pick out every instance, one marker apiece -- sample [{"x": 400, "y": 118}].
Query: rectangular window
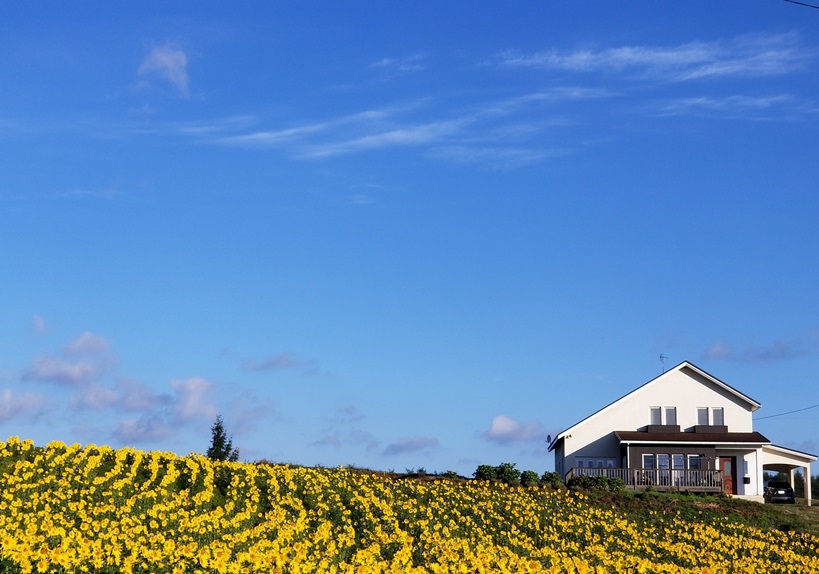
[
  {"x": 663, "y": 463},
  {"x": 671, "y": 415},
  {"x": 718, "y": 416},
  {"x": 702, "y": 416},
  {"x": 656, "y": 416},
  {"x": 694, "y": 462},
  {"x": 745, "y": 467},
  {"x": 678, "y": 461},
  {"x": 648, "y": 461}
]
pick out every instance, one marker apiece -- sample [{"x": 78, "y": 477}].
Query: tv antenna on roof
[{"x": 662, "y": 361}]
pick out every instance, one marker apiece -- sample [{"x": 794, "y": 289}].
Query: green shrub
[
  {"x": 508, "y": 473},
  {"x": 529, "y": 478},
  {"x": 552, "y": 479},
  {"x": 505, "y": 472},
  {"x": 486, "y": 472},
  {"x": 599, "y": 482}
]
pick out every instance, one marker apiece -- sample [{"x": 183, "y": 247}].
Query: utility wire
[
  {"x": 789, "y": 412},
  {"x": 802, "y": 4}
]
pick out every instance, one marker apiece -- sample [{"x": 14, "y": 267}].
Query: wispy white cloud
[
  {"x": 411, "y": 444},
  {"x": 191, "y": 399},
  {"x": 136, "y": 396},
  {"x": 409, "y": 135},
  {"x": 142, "y": 430},
  {"x": 40, "y": 325},
  {"x": 354, "y": 438},
  {"x": 728, "y": 105},
  {"x": 453, "y": 129},
  {"x": 747, "y": 56},
  {"x": 51, "y": 369},
  {"x": 20, "y": 405},
  {"x": 299, "y": 133},
  {"x": 774, "y": 351},
  {"x": 87, "y": 343},
  {"x": 83, "y": 360},
  {"x": 411, "y": 63},
  {"x": 347, "y": 414},
  {"x": 275, "y": 363},
  {"x": 169, "y": 63},
  {"x": 504, "y": 429},
  {"x": 95, "y": 397}
]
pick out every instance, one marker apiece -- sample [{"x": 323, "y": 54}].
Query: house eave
[{"x": 727, "y": 440}]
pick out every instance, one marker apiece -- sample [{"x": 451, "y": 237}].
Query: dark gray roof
[{"x": 692, "y": 437}]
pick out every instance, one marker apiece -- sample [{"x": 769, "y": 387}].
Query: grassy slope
[{"x": 643, "y": 506}]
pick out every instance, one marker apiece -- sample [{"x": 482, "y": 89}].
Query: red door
[{"x": 727, "y": 464}]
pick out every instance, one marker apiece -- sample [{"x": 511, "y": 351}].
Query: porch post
[{"x": 806, "y": 474}]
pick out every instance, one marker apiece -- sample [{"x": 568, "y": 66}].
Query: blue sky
[{"x": 401, "y": 235}]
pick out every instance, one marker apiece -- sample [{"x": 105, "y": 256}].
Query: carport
[{"x": 781, "y": 459}]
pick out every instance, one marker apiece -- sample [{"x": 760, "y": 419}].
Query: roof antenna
[{"x": 662, "y": 361}]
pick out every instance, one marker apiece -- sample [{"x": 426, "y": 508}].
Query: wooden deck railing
[{"x": 658, "y": 478}]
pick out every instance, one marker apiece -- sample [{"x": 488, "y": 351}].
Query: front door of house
[{"x": 727, "y": 464}]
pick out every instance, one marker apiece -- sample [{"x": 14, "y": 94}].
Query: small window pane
[
  {"x": 694, "y": 462},
  {"x": 648, "y": 461},
  {"x": 702, "y": 416},
  {"x": 678, "y": 460},
  {"x": 656, "y": 416},
  {"x": 719, "y": 419},
  {"x": 663, "y": 461},
  {"x": 671, "y": 415}
]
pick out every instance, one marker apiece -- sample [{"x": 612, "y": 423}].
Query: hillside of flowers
[{"x": 72, "y": 509}]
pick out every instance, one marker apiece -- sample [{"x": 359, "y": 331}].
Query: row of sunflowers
[{"x": 99, "y": 510}]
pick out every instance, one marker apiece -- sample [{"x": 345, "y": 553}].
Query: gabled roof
[{"x": 753, "y": 405}]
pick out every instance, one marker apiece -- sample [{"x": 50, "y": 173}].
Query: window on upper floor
[
  {"x": 714, "y": 416},
  {"x": 663, "y": 416}
]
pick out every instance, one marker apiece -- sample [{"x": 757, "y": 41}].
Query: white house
[{"x": 683, "y": 430}]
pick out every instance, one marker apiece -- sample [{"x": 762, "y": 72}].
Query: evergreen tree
[{"x": 221, "y": 447}]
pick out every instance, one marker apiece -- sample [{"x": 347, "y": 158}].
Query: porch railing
[{"x": 658, "y": 478}]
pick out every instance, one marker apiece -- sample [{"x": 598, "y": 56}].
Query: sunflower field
[{"x": 72, "y": 509}]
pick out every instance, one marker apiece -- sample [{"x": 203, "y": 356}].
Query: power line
[
  {"x": 789, "y": 412},
  {"x": 802, "y": 4}
]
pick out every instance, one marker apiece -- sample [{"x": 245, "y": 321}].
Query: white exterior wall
[
  {"x": 682, "y": 388},
  {"x": 754, "y": 488}
]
